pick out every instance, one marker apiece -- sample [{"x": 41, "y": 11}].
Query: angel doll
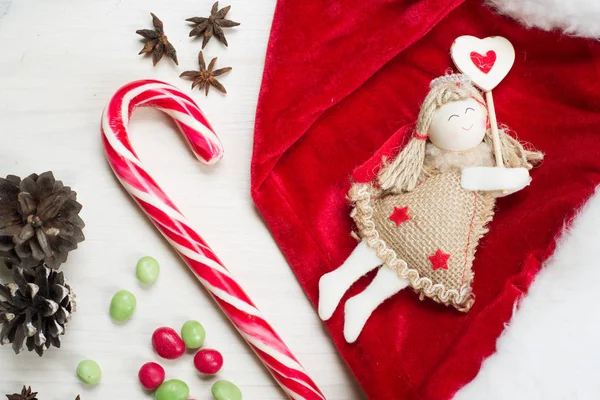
[{"x": 421, "y": 218}]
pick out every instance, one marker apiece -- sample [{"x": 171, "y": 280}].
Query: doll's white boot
[
  {"x": 334, "y": 284},
  {"x": 359, "y": 308}
]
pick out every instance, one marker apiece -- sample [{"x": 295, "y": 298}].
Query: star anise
[
  {"x": 206, "y": 77},
  {"x": 212, "y": 25},
  {"x": 26, "y": 394},
  {"x": 157, "y": 42}
]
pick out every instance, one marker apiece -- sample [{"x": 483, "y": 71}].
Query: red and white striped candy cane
[{"x": 224, "y": 289}]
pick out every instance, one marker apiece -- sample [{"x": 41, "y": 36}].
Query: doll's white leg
[
  {"x": 359, "y": 308},
  {"x": 334, "y": 284}
]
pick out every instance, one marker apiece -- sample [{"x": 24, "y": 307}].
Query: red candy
[
  {"x": 208, "y": 361},
  {"x": 167, "y": 343},
  {"x": 151, "y": 375}
]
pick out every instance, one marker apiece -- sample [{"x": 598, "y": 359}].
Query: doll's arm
[{"x": 494, "y": 179}]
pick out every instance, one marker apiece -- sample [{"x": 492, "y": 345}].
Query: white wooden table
[{"x": 60, "y": 62}]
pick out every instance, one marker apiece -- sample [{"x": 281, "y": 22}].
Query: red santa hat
[{"x": 344, "y": 80}]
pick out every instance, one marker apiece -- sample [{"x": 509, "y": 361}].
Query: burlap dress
[{"x": 429, "y": 235}]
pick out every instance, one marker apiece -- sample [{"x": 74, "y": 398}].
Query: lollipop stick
[{"x": 494, "y": 127}]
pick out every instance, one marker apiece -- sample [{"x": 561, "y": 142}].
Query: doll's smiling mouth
[{"x": 467, "y": 129}]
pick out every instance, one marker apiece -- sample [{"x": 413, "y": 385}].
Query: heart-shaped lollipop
[{"x": 487, "y": 61}]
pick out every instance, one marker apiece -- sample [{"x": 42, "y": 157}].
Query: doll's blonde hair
[{"x": 403, "y": 172}]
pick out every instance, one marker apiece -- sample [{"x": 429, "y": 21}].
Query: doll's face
[{"x": 458, "y": 125}]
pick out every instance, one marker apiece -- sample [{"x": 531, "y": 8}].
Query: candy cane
[{"x": 213, "y": 275}]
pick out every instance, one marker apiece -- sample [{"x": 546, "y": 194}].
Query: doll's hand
[{"x": 500, "y": 181}]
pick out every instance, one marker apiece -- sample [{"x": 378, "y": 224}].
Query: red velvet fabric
[{"x": 340, "y": 78}]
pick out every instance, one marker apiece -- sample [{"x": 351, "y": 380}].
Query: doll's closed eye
[
  {"x": 453, "y": 115},
  {"x": 469, "y": 108}
]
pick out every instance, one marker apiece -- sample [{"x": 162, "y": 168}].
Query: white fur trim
[
  {"x": 549, "y": 351},
  {"x": 493, "y": 178},
  {"x": 573, "y": 17}
]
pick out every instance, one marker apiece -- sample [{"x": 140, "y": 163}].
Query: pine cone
[
  {"x": 26, "y": 394},
  {"x": 36, "y": 309},
  {"x": 10, "y": 258},
  {"x": 39, "y": 221}
]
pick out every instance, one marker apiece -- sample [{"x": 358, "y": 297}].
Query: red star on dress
[
  {"x": 400, "y": 215},
  {"x": 439, "y": 260}
]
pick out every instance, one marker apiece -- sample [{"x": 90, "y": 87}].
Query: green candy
[
  {"x": 172, "y": 390},
  {"x": 122, "y": 305},
  {"x": 147, "y": 270},
  {"x": 89, "y": 372},
  {"x": 193, "y": 334},
  {"x": 225, "y": 390}
]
